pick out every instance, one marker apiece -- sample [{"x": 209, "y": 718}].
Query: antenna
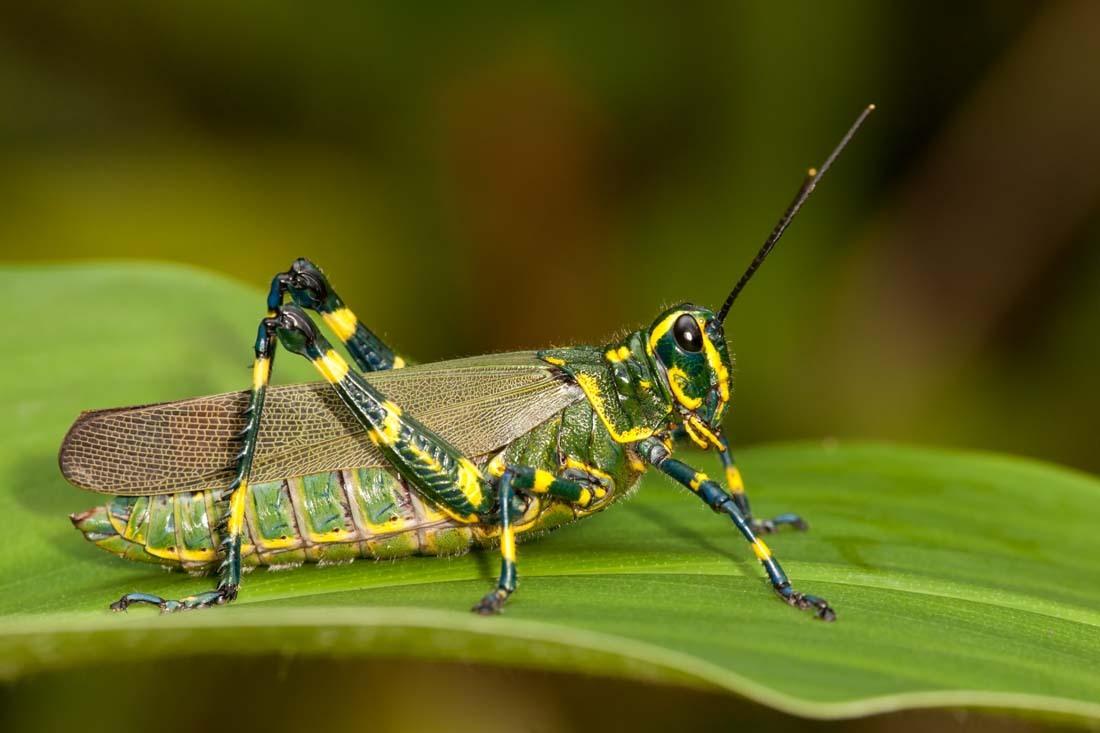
[{"x": 808, "y": 186}]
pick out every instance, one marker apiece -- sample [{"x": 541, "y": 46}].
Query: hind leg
[
  {"x": 432, "y": 466},
  {"x": 307, "y": 286},
  {"x": 229, "y": 572},
  {"x": 435, "y": 468},
  {"x": 310, "y": 289}
]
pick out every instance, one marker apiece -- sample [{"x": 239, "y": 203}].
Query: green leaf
[{"x": 958, "y": 578}]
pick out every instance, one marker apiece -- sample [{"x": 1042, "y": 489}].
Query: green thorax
[{"x": 621, "y": 383}]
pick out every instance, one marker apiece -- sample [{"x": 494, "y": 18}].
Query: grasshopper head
[{"x": 688, "y": 347}]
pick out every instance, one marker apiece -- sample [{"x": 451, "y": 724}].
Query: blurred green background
[
  {"x": 507, "y": 176},
  {"x": 510, "y": 175}
]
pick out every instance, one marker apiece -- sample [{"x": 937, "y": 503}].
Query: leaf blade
[{"x": 959, "y": 578}]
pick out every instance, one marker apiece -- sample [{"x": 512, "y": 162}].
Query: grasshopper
[{"x": 389, "y": 460}]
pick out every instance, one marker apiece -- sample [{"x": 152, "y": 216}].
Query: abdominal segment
[{"x": 334, "y": 516}]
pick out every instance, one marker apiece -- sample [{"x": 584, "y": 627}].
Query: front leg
[
  {"x": 736, "y": 486},
  {"x": 658, "y": 455}
]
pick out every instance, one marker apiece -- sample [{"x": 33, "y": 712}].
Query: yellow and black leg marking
[
  {"x": 310, "y": 289},
  {"x": 511, "y": 481},
  {"x": 433, "y": 467},
  {"x": 657, "y": 454},
  {"x": 506, "y": 585},
  {"x": 229, "y": 573},
  {"x": 736, "y": 487}
]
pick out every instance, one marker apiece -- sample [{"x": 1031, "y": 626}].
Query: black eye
[{"x": 687, "y": 333}]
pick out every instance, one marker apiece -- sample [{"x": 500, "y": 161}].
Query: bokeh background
[
  {"x": 508, "y": 175},
  {"x": 499, "y": 177}
]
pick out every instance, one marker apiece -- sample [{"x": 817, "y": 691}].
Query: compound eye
[{"x": 687, "y": 334}]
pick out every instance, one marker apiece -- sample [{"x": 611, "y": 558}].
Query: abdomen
[{"x": 335, "y": 516}]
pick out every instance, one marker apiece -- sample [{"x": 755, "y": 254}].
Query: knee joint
[
  {"x": 307, "y": 286},
  {"x": 296, "y": 331}
]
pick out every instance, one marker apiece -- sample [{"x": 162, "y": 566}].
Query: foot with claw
[
  {"x": 822, "y": 610},
  {"x": 770, "y": 526},
  {"x": 201, "y": 600},
  {"x": 491, "y": 603}
]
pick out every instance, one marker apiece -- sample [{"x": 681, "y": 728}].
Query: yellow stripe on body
[
  {"x": 236, "y": 509},
  {"x": 208, "y": 555},
  {"x": 508, "y": 545},
  {"x": 601, "y": 492},
  {"x": 592, "y": 392},
  {"x": 676, "y": 376},
  {"x": 733, "y": 480},
  {"x": 469, "y": 482},
  {"x": 468, "y": 475},
  {"x": 543, "y": 479},
  {"x": 261, "y": 372},
  {"x": 332, "y": 366},
  {"x": 390, "y": 432},
  {"x": 278, "y": 543},
  {"x": 660, "y": 330},
  {"x": 554, "y": 360},
  {"x": 571, "y": 462},
  {"x": 496, "y": 466},
  {"x": 398, "y": 362},
  {"x": 342, "y": 322},
  {"x": 434, "y": 512},
  {"x": 762, "y": 551},
  {"x": 426, "y": 458},
  {"x": 714, "y": 359},
  {"x": 617, "y": 355}
]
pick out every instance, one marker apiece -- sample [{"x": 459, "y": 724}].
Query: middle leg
[
  {"x": 511, "y": 482},
  {"x": 657, "y": 454},
  {"x": 310, "y": 289}
]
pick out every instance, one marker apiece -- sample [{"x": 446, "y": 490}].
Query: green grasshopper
[{"x": 388, "y": 461}]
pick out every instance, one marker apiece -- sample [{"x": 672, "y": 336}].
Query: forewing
[{"x": 478, "y": 404}]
